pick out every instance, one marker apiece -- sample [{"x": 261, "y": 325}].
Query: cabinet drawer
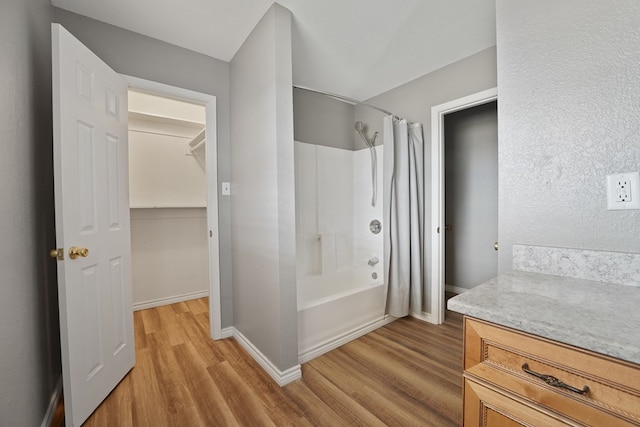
[
  {"x": 486, "y": 406},
  {"x": 497, "y": 355}
]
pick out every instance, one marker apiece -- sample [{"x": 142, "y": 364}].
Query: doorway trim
[
  {"x": 437, "y": 193},
  {"x": 209, "y": 101}
]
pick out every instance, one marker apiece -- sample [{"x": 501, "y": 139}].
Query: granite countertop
[{"x": 597, "y": 316}]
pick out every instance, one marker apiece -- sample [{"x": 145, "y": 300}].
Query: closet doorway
[
  {"x": 436, "y": 290},
  {"x": 471, "y": 196},
  {"x": 173, "y": 197}
]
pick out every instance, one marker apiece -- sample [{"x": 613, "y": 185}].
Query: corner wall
[
  {"x": 568, "y": 78},
  {"x": 29, "y": 328},
  {"x": 321, "y": 120},
  {"x": 263, "y": 191},
  {"x": 147, "y": 58}
]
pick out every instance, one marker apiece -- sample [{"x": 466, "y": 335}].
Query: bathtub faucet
[{"x": 373, "y": 261}]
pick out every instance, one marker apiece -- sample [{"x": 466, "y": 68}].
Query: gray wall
[
  {"x": 414, "y": 100},
  {"x": 30, "y": 350},
  {"x": 144, "y": 57},
  {"x": 471, "y": 195},
  {"x": 320, "y": 120},
  {"x": 262, "y": 200},
  {"x": 569, "y": 115}
]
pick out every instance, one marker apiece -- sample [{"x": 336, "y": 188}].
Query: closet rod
[
  {"x": 159, "y": 133},
  {"x": 347, "y": 99}
]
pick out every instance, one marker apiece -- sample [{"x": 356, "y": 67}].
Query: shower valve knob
[{"x": 375, "y": 226}]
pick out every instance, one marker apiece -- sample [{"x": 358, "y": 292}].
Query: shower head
[{"x": 362, "y": 130}]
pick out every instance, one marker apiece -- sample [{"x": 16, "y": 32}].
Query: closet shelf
[
  {"x": 198, "y": 142},
  {"x": 169, "y": 207},
  {"x": 139, "y": 115}
]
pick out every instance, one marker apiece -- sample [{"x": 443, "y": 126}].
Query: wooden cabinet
[{"x": 516, "y": 379}]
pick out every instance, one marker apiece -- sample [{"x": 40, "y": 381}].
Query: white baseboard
[
  {"x": 53, "y": 404},
  {"x": 169, "y": 300},
  {"x": 455, "y": 289},
  {"x": 424, "y": 316},
  {"x": 332, "y": 344},
  {"x": 226, "y": 333},
  {"x": 280, "y": 377}
]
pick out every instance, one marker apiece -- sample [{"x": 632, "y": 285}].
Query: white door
[{"x": 92, "y": 213}]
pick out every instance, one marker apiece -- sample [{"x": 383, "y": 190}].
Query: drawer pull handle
[{"x": 553, "y": 381}]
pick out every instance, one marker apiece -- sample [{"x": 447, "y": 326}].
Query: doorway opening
[
  {"x": 471, "y": 196},
  {"x": 173, "y": 197},
  {"x": 436, "y": 294},
  {"x": 167, "y": 194}
]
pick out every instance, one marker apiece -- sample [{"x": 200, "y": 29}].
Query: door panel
[{"x": 92, "y": 212}]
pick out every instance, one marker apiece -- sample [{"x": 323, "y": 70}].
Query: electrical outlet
[{"x": 623, "y": 191}]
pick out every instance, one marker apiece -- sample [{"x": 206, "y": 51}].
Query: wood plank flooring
[{"x": 407, "y": 373}]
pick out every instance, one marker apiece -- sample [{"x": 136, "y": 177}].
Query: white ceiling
[{"x": 356, "y": 48}]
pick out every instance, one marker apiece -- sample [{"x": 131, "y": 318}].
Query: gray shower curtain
[{"x": 403, "y": 216}]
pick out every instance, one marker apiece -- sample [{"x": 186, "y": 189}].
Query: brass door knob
[
  {"x": 75, "y": 252},
  {"x": 495, "y": 246}
]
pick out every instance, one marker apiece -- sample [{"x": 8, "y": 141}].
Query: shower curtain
[{"x": 403, "y": 216}]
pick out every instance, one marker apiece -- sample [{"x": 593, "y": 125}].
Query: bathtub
[{"x": 336, "y": 308}]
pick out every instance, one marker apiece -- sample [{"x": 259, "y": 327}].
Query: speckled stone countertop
[{"x": 597, "y": 316}]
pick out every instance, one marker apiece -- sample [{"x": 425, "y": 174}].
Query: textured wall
[
  {"x": 29, "y": 332},
  {"x": 263, "y": 190},
  {"x": 144, "y": 57},
  {"x": 569, "y": 114}
]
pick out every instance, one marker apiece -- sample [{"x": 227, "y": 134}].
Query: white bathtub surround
[
  {"x": 366, "y": 244},
  {"x": 310, "y": 352},
  {"x": 316, "y": 290},
  {"x": 612, "y": 267},
  {"x": 403, "y": 216},
  {"x": 324, "y": 208},
  {"x": 334, "y": 309},
  {"x": 329, "y": 252},
  {"x": 338, "y": 298}
]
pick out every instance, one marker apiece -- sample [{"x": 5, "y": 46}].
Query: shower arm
[
  {"x": 362, "y": 130},
  {"x": 370, "y": 141}
]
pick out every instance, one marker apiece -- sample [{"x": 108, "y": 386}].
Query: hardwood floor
[{"x": 407, "y": 373}]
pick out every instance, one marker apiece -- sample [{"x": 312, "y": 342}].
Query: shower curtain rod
[{"x": 347, "y": 99}]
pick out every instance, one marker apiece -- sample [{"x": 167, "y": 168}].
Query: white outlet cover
[
  {"x": 627, "y": 183},
  {"x": 226, "y": 188}
]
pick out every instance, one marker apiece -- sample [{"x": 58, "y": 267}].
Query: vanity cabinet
[{"x": 513, "y": 378}]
